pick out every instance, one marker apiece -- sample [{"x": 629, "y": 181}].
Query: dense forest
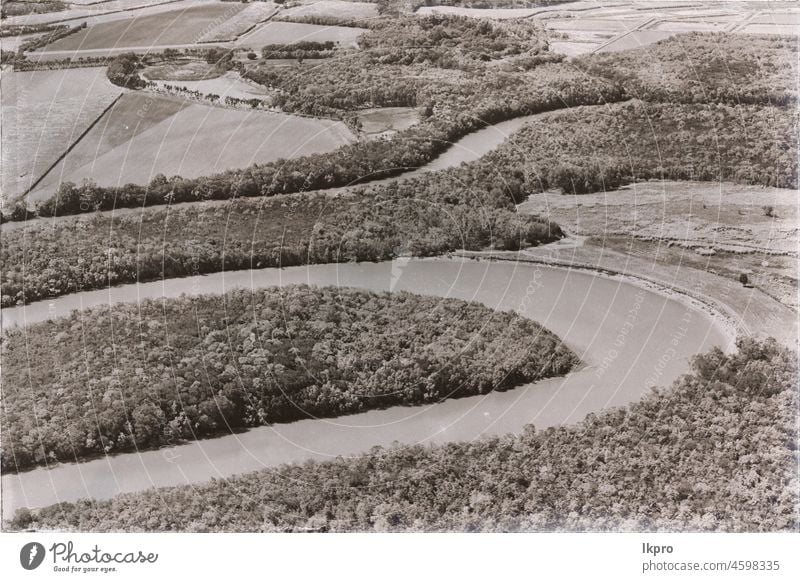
[
  {"x": 467, "y": 208},
  {"x": 169, "y": 370},
  {"x": 593, "y": 149},
  {"x": 13, "y": 8},
  {"x": 715, "y": 452},
  {"x": 704, "y": 68}
]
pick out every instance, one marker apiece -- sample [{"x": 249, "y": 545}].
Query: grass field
[
  {"x": 332, "y": 9},
  {"x": 44, "y": 112},
  {"x": 190, "y": 140},
  {"x": 291, "y": 32},
  {"x": 184, "y": 26},
  {"x": 131, "y": 116},
  {"x": 724, "y": 227},
  {"x": 387, "y": 120},
  {"x": 95, "y": 13},
  {"x": 230, "y": 84}
]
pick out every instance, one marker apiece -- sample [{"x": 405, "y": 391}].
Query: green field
[
  {"x": 132, "y": 115},
  {"x": 44, "y": 112},
  {"x": 148, "y": 135},
  {"x": 185, "y": 26}
]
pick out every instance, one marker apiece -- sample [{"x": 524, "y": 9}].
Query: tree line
[{"x": 429, "y": 215}]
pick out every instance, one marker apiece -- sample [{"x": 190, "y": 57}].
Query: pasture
[
  {"x": 332, "y": 9},
  {"x": 189, "y": 139},
  {"x": 131, "y": 116},
  {"x": 175, "y": 27},
  {"x": 43, "y": 113},
  {"x": 725, "y": 227}
]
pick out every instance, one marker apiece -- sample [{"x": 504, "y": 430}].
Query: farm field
[
  {"x": 190, "y": 140},
  {"x": 103, "y": 12},
  {"x": 176, "y": 27},
  {"x": 584, "y": 27},
  {"x": 332, "y": 9},
  {"x": 44, "y": 112},
  {"x": 709, "y": 215},
  {"x": 231, "y": 28},
  {"x": 292, "y": 32},
  {"x": 131, "y": 115}
]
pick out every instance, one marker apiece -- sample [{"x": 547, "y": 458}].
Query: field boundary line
[{"x": 72, "y": 146}]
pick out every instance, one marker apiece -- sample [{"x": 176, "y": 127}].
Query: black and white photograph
[{"x": 419, "y": 267}]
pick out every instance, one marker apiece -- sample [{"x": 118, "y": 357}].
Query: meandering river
[{"x": 628, "y": 337}]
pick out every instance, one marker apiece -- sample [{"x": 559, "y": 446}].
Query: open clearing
[
  {"x": 721, "y": 226},
  {"x": 189, "y": 139},
  {"x": 43, "y": 113},
  {"x": 185, "y": 26},
  {"x": 230, "y": 84},
  {"x": 195, "y": 70},
  {"x": 292, "y": 32},
  {"x": 382, "y": 121},
  {"x": 724, "y": 215}
]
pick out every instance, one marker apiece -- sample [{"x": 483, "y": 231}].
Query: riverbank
[
  {"x": 742, "y": 311},
  {"x": 630, "y": 338}
]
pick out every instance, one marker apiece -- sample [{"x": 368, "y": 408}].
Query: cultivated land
[
  {"x": 44, "y": 112},
  {"x": 338, "y": 9},
  {"x": 184, "y": 26},
  {"x": 188, "y": 139},
  {"x": 132, "y": 115}
]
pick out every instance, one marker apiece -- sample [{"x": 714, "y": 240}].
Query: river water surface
[{"x": 628, "y": 337}]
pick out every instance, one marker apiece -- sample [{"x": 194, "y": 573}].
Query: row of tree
[
  {"x": 469, "y": 208},
  {"x": 716, "y": 452},
  {"x": 196, "y": 366}
]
